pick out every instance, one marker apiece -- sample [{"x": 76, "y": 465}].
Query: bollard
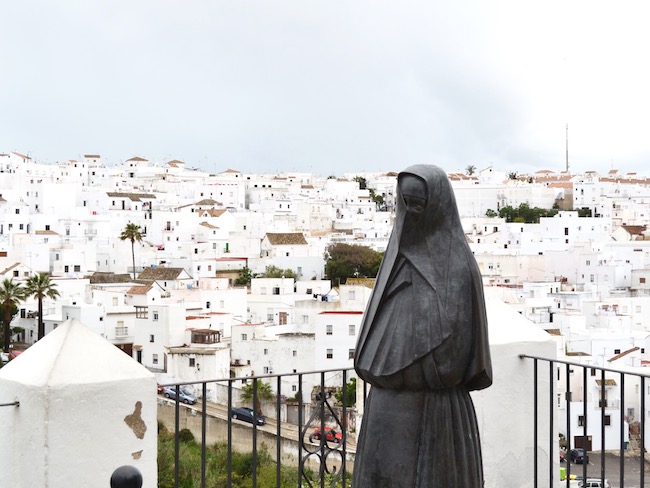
[{"x": 126, "y": 477}]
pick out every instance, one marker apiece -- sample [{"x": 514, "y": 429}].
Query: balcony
[
  {"x": 521, "y": 417},
  {"x": 121, "y": 332}
]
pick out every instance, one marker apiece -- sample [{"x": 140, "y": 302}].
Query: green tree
[
  {"x": 378, "y": 199},
  {"x": 275, "y": 272},
  {"x": 40, "y": 286},
  {"x": 264, "y": 392},
  {"x": 363, "y": 183},
  {"x": 244, "y": 277},
  {"x": 350, "y": 393},
  {"x": 133, "y": 233},
  {"x": 512, "y": 175},
  {"x": 491, "y": 213},
  {"x": 470, "y": 170},
  {"x": 525, "y": 213},
  {"x": 345, "y": 261},
  {"x": 10, "y": 294}
]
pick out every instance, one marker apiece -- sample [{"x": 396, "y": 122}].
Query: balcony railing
[
  {"x": 320, "y": 460},
  {"x": 609, "y": 404},
  {"x": 603, "y": 418},
  {"x": 121, "y": 331},
  {"x": 328, "y": 460}
]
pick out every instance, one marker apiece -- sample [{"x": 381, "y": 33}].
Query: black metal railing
[
  {"x": 319, "y": 442},
  {"x": 605, "y": 410}
]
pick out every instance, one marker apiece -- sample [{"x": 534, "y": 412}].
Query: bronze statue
[{"x": 423, "y": 346}]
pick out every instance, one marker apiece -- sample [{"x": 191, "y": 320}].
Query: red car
[{"x": 331, "y": 435}]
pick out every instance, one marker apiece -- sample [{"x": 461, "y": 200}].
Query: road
[
  {"x": 631, "y": 469},
  {"x": 289, "y": 431}
]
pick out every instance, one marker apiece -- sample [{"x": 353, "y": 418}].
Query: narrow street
[{"x": 288, "y": 430}]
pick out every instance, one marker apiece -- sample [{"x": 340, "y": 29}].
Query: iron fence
[
  {"x": 591, "y": 388},
  {"x": 322, "y": 447}
]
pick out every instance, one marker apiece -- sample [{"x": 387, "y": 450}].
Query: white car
[{"x": 594, "y": 483}]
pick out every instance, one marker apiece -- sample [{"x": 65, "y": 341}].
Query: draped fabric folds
[{"x": 423, "y": 346}]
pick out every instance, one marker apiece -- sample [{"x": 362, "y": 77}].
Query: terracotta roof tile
[
  {"x": 160, "y": 274},
  {"x": 139, "y": 289},
  {"x": 278, "y": 239}
]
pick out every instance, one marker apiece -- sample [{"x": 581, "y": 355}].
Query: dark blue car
[
  {"x": 578, "y": 456},
  {"x": 247, "y": 415}
]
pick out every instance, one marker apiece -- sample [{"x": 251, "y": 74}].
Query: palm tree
[
  {"x": 40, "y": 286},
  {"x": 470, "y": 169},
  {"x": 10, "y": 294},
  {"x": 264, "y": 392},
  {"x": 133, "y": 233}
]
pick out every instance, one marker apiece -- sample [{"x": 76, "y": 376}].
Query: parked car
[
  {"x": 184, "y": 396},
  {"x": 160, "y": 389},
  {"x": 247, "y": 415},
  {"x": 578, "y": 456},
  {"x": 594, "y": 483},
  {"x": 331, "y": 435}
]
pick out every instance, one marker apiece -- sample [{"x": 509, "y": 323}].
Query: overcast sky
[{"x": 328, "y": 86}]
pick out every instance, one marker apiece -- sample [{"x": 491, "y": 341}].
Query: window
[
  {"x": 66, "y": 268},
  {"x": 641, "y": 280},
  {"x": 305, "y": 319},
  {"x": 350, "y": 353},
  {"x": 151, "y": 338},
  {"x": 588, "y": 262},
  {"x": 294, "y": 353},
  {"x": 617, "y": 351},
  {"x": 266, "y": 352},
  {"x": 266, "y": 370},
  {"x": 192, "y": 362},
  {"x": 207, "y": 304},
  {"x": 351, "y": 329},
  {"x": 244, "y": 337},
  {"x": 593, "y": 372},
  {"x": 294, "y": 388},
  {"x": 608, "y": 420},
  {"x": 155, "y": 359},
  {"x": 581, "y": 421},
  {"x": 276, "y": 290},
  {"x": 309, "y": 291},
  {"x": 330, "y": 353},
  {"x": 221, "y": 304},
  {"x": 155, "y": 316},
  {"x": 141, "y": 312},
  {"x": 282, "y": 318},
  {"x": 328, "y": 329},
  {"x": 351, "y": 295},
  {"x": 114, "y": 299},
  {"x": 77, "y": 268}
]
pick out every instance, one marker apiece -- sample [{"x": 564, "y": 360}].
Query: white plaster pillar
[{"x": 86, "y": 408}]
